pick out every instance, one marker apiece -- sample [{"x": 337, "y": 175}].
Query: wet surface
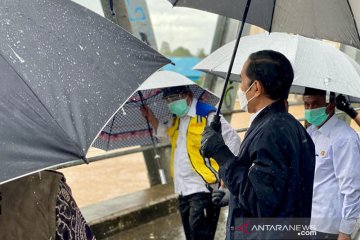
[{"x": 168, "y": 227}]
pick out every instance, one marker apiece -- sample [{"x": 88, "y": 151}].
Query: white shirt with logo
[{"x": 336, "y": 192}]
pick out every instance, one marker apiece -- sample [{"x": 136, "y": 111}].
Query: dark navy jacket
[{"x": 273, "y": 175}]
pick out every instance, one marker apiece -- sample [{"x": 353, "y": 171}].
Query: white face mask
[{"x": 243, "y": 100}]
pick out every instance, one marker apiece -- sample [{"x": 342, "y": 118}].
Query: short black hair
[
  {"x": 175, "y": 90},
  {"x": 273, "y": 70},
  {"x": 318, "y": 92},
  {"x": 314, "y": 91}
]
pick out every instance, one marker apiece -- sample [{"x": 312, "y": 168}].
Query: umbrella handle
[
  {"x": 148, "y": 124},
  {"x": 217, "y": 119},
  {"x": 157, "y": 156},
  {"x": 162, "y": 176},
  {"x": 215, "y": 124}
]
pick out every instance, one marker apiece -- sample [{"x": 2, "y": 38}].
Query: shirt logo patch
[{"x": 322, "y": 153}]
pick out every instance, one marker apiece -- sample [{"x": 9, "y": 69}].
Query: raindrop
[
  {"x": 20, "y": 59},
  {"x": 81, "y": 47},
  {"x": 86, "y": 100},
  {"x": 97, "y": 53}
]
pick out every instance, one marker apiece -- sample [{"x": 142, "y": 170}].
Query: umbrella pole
[
  {"x": 216, "y": 122},
  {"x": 157, "y": 156},
  {"x": 111, "y": 3}
]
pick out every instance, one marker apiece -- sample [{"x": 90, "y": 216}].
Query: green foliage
[{"x": 178, "y": 52}]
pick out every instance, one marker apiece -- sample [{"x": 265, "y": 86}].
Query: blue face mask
[
  {"x": 316, "y": 116},
  {"x": 179, "y": 107}
]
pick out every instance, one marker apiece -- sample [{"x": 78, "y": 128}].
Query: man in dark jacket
[{"x": 271, "y": 179}]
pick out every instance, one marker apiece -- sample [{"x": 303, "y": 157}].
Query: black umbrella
[
  {"x": 336, "y": 20},
  {"x": 64, "y": 72}
]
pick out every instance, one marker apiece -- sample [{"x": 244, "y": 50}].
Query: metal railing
[{"x": 144, "y": 148}]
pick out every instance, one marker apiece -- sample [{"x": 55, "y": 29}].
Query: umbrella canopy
[
  {"x": 316, "y": 64},
  {"x": 64, "y": 72},
  {"x": 129, "y": 127},
  {"x": 336, "y": 20}
]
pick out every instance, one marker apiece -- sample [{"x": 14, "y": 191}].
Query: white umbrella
[{"x": 316, "y": 64}]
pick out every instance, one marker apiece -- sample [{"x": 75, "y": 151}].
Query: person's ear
[{"x": 258, "y": 88}]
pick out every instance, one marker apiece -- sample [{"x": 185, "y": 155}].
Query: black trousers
[
  {"x": 199, "y": 216},
  {"x": 325, "y": 236}
]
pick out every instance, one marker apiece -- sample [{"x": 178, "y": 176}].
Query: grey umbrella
[
  {"x": 64, "y": 72},
  {"x": 337, "y": 20}
]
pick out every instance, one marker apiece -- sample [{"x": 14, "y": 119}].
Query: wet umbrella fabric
[
  {"x": 129, "y": 127},
  {"x": 316, "y": 64},
  {"x": 64, "y": 72},
  {"x": 330, "y": 19},
  {"x": 336, "y": 20}
]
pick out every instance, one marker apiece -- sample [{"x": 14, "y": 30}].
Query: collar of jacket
[{"x": 278, "y": 106}]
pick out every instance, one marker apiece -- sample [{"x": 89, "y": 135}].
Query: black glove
[
  {"x": 343, "y": 104},
  {"x": 220, "y": 197},
  {"x": 211, "y": 142},
  {"x": 216, "y": 124}
]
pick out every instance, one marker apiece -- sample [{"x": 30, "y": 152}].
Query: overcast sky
[{"x": 192, "y": 29}]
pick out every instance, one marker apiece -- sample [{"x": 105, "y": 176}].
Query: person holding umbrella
[
  {"x": 336, "y": 196},
  {"x": 193, "y": 175},
  {"x": 273, "y": 175}
]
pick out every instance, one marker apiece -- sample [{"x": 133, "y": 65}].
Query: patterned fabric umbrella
[{"x": 129, "y": 128}]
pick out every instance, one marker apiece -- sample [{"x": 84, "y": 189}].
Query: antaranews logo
[
  {"x": 281, "y": 231},
  {"x": 243, "y": 228}
]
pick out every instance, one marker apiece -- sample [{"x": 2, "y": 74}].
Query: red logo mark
[{"x": 243, "y": 228}]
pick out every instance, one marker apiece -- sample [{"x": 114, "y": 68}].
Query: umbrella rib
[
  {"x": 111, "y": 127},
  {"x": 352, "y": 14},
  {"x": 75, "y": 144},
  {"x": 272, "y": 17}
]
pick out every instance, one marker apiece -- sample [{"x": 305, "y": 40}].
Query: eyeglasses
[{"x": 173, "y": 98}]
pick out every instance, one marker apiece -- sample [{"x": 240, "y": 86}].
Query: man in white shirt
[
  {"x": 190, "y": 171},
  {"x": 336, "y": 195}
]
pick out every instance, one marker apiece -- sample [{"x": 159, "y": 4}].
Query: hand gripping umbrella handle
[{"x": 217, "y": 118}]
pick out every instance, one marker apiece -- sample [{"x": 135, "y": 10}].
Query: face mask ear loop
[
  {"x": 248, "y": 90},
  {"x": 249, "y": 87}
]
